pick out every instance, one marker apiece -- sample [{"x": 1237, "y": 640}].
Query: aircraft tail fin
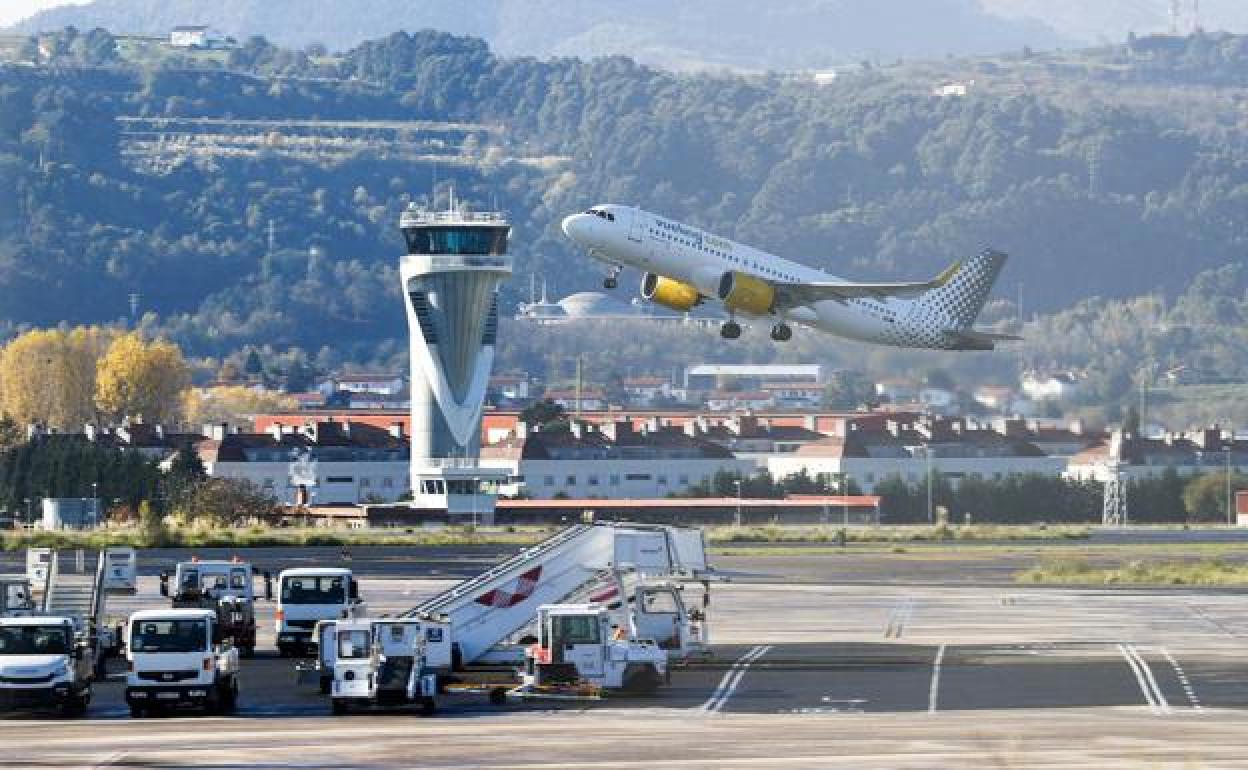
[{"x": 963, "y": 289}]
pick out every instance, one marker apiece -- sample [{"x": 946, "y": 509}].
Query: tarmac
[{"x": 806, "y": 674}]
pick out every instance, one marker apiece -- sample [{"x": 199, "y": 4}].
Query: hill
[
  {"x": 739, "y": 34},
  {"x": 250, "y": 198}
]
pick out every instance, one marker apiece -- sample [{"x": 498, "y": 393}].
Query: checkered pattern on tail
[
  {"x": 516, "y": 592},
  {"x": 960, "y": 299}
]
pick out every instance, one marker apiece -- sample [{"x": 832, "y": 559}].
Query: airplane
[{"x": 684, "y": 266}]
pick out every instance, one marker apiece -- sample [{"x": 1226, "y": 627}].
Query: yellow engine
[
  {"x": 669, "y": 293},
  {"x": 747, "y": 294}
]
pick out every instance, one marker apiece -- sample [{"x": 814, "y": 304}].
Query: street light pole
[
  {"x": 476, "y": 488},
  {"x": 927, "y": 455},
  {"x": 737, "y": 522},
  {"x": 1230, "y": 504}
]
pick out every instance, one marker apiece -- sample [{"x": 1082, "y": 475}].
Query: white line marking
[
  {"x": 728, "y": 685},
  {"x": 1144, "y": 678},
  {"x": 1188, "y": 690},
  {"x": 934, "y": 691},
  {"x": 1148, "y": 673}
]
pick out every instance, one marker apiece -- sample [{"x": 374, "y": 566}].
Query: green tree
[{"x": 1205, "y": 496}]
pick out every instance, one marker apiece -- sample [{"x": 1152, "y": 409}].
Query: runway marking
[
  {"x": 1205, "y": 616},
  {"x": 1188, "y": 690},
  {"x": 728, "y": 685},
  {"x": 1144, "y": 678},
  {"x": 933, "y": 692},
  {"x": 899, "y": 617}
]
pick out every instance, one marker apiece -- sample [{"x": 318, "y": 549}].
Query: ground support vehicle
[
  {"x": 577, "y": 651},
  {"x": 43, "y": 665},
  {"x": 308, "y": 595},
  {"x": 16, "y": 599},
  {"x": 121, "y": 570},
  {"x": 38, "y": 561},
  {"x": 225, "y": 587},
  {"x": 180, "y": 658},
  {"x": 634, "y": 571},
  {"x": 380, "y": 663}
]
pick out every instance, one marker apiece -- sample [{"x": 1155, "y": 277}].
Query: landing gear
[
  {"x": 781, "y": 333},
  {"x": 613, "y": 277},
  {"x": 730, "y": 330}
]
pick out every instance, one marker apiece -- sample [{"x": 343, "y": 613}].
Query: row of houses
[{"x": 346, "y": 458}]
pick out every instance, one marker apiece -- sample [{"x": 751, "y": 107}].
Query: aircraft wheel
[
  {"x": 609, "y": 283},
  {"x": 781, "y": 333},
  {"x": 730, "y": 330}
]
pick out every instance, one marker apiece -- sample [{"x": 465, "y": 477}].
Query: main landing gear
[
  {"x": 730, "y": 330},
  {"x": 613, "y": 277},
  {"x": 781, "y": 333}
]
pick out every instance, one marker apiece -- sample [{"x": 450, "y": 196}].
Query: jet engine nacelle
[
  {"x": 746, "y": 294},
  {"x": 669, "y": 293}
]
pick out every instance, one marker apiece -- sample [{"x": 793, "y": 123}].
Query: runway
[{"x": 805, "y": 675}]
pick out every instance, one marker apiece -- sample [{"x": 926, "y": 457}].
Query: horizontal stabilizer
[{"x": 974, "y": 339}]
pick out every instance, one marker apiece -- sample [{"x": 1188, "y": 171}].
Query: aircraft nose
[{"x": 576, "y": 227}]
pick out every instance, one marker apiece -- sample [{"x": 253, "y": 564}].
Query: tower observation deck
[{"x": 454, "y": 264}]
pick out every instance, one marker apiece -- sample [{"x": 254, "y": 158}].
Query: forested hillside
[
  {"x": 740, "y": 34},
  {"x": 1110, "y": 173}
]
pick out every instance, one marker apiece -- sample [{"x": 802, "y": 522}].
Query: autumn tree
[
  {"x": 48, "y": 376},
  {"x": 233, "y": 404},
  {"x": 141, "y": 378}
]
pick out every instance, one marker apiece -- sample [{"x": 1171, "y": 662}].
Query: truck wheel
[
  {"x": 137, "y": 711},
  {"x": 428, "y": 707},
  {"x": 327, "y": 685},
  {"x": 229, "y": 699},
  {"x": 75, "y": 706},
  {"x": 498, "y": 696},
  {"x": 248, "y": 651},
  {"x": 338, "y": 706},
  {"x": 641, "y": 679}
]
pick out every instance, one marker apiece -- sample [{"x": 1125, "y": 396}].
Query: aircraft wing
[{"x": 798, "y": 294}]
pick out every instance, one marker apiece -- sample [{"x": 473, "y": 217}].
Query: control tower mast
[{"x": 454, "y": 264}]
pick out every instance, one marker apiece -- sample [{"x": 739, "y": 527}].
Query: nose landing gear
[
  {"x": 781, "y": 333},
  {"x": 613, "y": 277}
]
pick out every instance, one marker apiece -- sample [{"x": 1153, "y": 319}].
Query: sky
[{"x": 13, "y": 11}]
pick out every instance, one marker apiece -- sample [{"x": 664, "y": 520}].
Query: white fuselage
[{"x": 655, "y": 244}]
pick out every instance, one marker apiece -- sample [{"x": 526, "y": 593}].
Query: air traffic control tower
[{"x": 454, "y": 263}]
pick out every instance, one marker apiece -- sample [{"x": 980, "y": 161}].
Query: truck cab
[
  {"x": 179, "y": 658},
  {"x": 226, "y": 587},
  {"x": 43, "y": 666},
  {"x": 380, "y": 662},
  {"x": 308, "y": 595},
  {"x": 579, "y": 646}
]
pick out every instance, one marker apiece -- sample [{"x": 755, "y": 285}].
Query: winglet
[{"x": 947, "y": 275}]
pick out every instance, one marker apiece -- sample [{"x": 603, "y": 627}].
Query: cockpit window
[{"x": 607, "y": 215}]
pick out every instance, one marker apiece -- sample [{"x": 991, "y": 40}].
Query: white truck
[
  {"x": 380, "y": 663},
  {"x": 225, "y": 586},
  {"x": 179, "y": 658},
  {"x": 43, "y": 665},
  {"x": 308, "y": 595},
  {"x": 579, "y": 647}
]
